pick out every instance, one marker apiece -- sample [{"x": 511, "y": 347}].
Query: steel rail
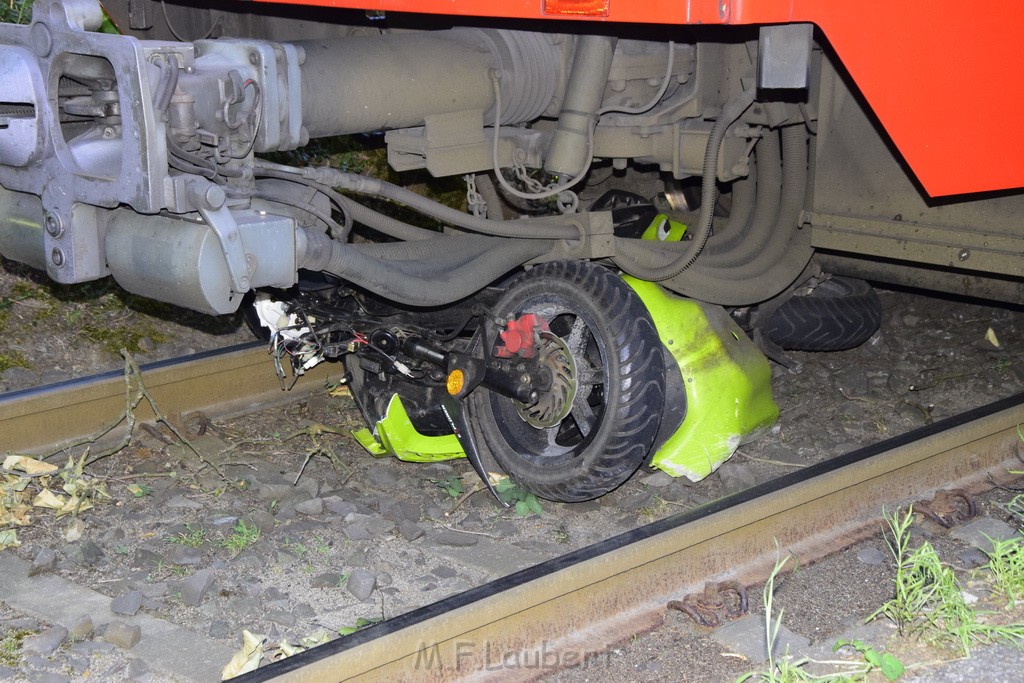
[
  {"x": 218, "y": 383},
  {"x": 558, "y": 612}
]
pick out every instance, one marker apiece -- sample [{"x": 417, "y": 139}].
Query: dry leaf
[
  {"x": 314, "y": 640},
  {"x": 28, "y": 465},
  {"x": 15, "y": 483},
  {"x": 339, "y": 390},
  {"x": 19, "y": 515},
  {"x": 288, "y": 650},
  {"x": 74, "y": 505},
  {"x": 245, "y": 660},
  {"x": 992, "y": 339},
  {"x": 9, "y": 539},
  {"x": 48, "y": 499}
]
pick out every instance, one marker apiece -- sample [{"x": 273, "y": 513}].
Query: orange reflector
[
  {"x": 585, "y": 8},
  {"x": 456, "y": 381}
]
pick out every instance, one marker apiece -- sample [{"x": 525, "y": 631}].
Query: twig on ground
[
  {"x": 135, "y": 393},
  {"x": 475, "y": 533},
  {"x": 781, "y": 463},
  {"x": 463, "y": 498},
  {"x": 313, "y": 431}
]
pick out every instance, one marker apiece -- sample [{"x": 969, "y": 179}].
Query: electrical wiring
[
  {"x": 170, "y": 27},
  {"x": 549, "y": 192},
  {"x": 336, "y": 231},
  {"x": 563, "y": 187},
  {"x": 255, "y": 118},
  {"x": 613, "y": 109}
]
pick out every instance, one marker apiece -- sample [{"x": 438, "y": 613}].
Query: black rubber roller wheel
[
  {"x": 592, "y": 429},
  {"x": 839, "y": 313}
]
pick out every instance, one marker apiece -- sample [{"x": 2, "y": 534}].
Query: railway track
[
  {"x": 584, "y": 602},
  {"x": 217, "y": 383},
  {"x": 562, "y": 610}
]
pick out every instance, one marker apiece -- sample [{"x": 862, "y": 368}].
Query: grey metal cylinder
[
  {"x": 370, "y": 83},
  {"x": 21, "y": 228},
  {"x": 171, "y": 260}
]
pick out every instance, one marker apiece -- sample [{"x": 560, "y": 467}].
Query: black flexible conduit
[
  {"x": 744, "y": 196},
  {"x": 638, "y": 258},
  {"x": 765, "y": 212},
  {"x": 783, "y": 259}
]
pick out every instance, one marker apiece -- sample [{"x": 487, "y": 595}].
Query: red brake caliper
[{"x": 521, "y": 336}]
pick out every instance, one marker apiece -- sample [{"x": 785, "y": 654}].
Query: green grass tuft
[
  {"x": 10, "y": 646},
  {"x": 929, "y": 602},
  {"x": 1006, "y": 563},
  {"x": 193, "y": 537},
  {"x": 242, "y": 536},
  {"x": 16, "y": 11}
]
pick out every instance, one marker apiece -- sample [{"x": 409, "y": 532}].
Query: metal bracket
[{"x": 210, "y": 199}]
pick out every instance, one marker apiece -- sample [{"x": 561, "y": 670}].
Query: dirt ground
[
  {"x": 346, "y": 539},
  {"x": 54, "y": 332}
]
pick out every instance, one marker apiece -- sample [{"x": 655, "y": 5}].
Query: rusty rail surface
[
  {"x": 218, "y": 383},
  {"x": 559, "y": 612}
]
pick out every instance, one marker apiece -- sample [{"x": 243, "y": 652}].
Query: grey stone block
[
  {"x": 872, "y": 556},
  {"x": 313, "y": 506},
  {"x": 282, "y": 617},
  {"x": 81, "y": 628},
  {"x": 44, "y": 561},
  {"x": 193, "y": 588},
  {"x": 128, "y": 604},
  {"x": 361, "y": 584},
  {"x": 410, "y": 530},
  {"x": 44, "y": 644},
  {"x": 184, "y": 555},
  {"x": 455, "y": 538},
  {"x": 746, "y": 636},
  {"x": 326, "y": 580},
  {"x": 975, "y": 532},
  {"x": 124, "y": 636},
  {"x": 137, "y": 670}
]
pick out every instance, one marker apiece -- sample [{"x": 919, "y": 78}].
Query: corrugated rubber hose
[
  {"x": 431, "y": 272},
  {"x": 785, "y": 249}
]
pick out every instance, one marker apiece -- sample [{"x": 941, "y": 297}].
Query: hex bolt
[
  {"x": 965, "y": 254},
  {"x": 254, "y": 58},
  {"x": 57, "y": 256},
  {"x": 54, "y": 226}
]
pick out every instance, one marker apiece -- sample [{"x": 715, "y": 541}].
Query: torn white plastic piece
[{"x": 285, "y": 327}]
